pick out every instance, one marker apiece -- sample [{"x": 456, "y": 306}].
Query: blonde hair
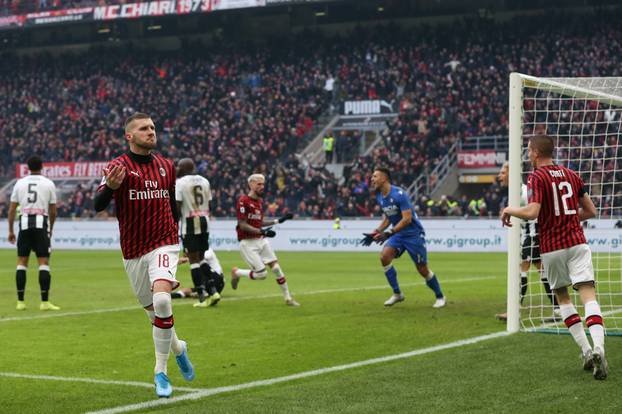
[{"x": 256, "y": 177}]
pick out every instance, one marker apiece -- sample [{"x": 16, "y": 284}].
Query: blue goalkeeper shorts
[{"x": 414, "y": 245}]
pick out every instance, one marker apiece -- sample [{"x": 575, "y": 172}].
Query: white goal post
[{"x": 584, "y": 117}]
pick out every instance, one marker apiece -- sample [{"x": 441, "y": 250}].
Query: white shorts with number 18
[{"x": 144, "y": 271}]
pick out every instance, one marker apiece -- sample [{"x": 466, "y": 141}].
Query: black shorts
[
  {"x": 196, "y": 243},
  {"x": 531, "y": 249},
  {"x": 35, "y": 240}
]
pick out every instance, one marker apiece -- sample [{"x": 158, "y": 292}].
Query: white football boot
[
  {"x": 395, "y": 298},
  {"x": 440, "y": 302}
]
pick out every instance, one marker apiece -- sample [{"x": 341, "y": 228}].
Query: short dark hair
[
  {"x": 135, "y": 116},
  {"x": 385, "y": 171},
  {"x": 35, "y": 163},
  {"x": 544, "y": 144}
]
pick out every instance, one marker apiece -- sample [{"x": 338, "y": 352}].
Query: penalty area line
[
  {"x": 237, "y": 298},
  {"x": 91, "y": 381},
  {"x": 306, "y": 374}
]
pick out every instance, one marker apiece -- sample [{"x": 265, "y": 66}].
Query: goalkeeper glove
[
  {"x": 268, "y": 232},
  {"x": 368, "y": 239},
  {"x": 286, "y": 217}
]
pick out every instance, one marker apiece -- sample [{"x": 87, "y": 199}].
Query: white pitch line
[
  {"x": 268, "y": 296},
  {"x": 213, "y": 391},
  {"x": 61, "y": 314},
  {"x": 92, "y": 381}
]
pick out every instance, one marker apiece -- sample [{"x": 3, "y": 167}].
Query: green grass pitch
[{"x": 251, "y": 335}]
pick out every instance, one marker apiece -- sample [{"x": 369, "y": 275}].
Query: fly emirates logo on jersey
[{"x": 150, "y": 192}]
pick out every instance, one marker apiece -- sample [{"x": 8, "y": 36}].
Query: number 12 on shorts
[{"x": 163, "y": 260}]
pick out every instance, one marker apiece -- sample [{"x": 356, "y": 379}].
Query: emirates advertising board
[
  {"x": 61, "y": 170},
  {"x": 481, "y": 161}
]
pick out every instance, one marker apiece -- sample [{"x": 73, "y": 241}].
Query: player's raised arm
[
  {"x": 588, "y": 209},
  {"x": 113, "y": 178}
]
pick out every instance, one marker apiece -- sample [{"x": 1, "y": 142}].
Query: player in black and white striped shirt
[
  {"x": 530, "y": 247},
  {"x": 36, "y": 196},
  {"x": 193, "y": 194}
]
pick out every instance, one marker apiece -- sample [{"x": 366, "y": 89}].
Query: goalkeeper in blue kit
[{"x": 405, "y": 235}]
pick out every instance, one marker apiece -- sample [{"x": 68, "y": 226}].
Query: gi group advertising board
[{"x": 319, "y": 235}]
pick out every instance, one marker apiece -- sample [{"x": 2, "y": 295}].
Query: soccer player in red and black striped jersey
[
  {"x": 558, "y": 199},
  {"x": 142, "y": 184},
  {"x": 254, "y": 248}
]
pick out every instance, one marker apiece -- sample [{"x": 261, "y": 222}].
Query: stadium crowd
[{"x": 239, "y": 109}]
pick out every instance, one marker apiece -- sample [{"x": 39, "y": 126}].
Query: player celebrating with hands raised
[
  {"x": 142, "y": 184},
  {"x": 252, "y": 232},
  {"x": 407, "y": 234}
]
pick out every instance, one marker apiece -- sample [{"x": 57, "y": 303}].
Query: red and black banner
[{"x": 124, "y": 11}]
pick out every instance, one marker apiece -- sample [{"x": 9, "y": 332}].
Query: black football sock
[
  {"x": 20, "y": 282},
  {"x": 210, "y": 284},
  {"x": 45, "y": 281},
  {"x": 549, "y": 293},
  {"x": 197, "y": 279},
  {"x": 523, "y": 286}
]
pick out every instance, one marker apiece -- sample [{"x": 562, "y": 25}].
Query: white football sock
[
  {"x": 162, "y": 332},
  {"x": 594, "y": 322},
  {"x": 280, "y": 279},
  {"x": 573, "y": 322},
  {"x": 175, "y": 344},
  {"x": 243, "y": 273},
  {"x": 150, "y": 315}
]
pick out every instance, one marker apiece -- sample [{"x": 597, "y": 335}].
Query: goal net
[{"x": 584, "y": 117}]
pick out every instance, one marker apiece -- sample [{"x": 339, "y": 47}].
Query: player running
[
  {"x": 142, "y": 184},
  {"x": 557, "y": 198},
  {"x": 193, "y": 195},
  {"x": 254, "y": 248},
  {"x": 36, "y": 196},
  {"x": 407, "y": 234}
]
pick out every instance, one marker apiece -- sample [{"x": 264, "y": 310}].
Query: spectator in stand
[{"x": 235, "y": 107}]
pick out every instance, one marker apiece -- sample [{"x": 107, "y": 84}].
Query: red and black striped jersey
[
  {"x": 558, "y": 190},
  {"x": 143, "y": 204},
  {"x": 251, "y": 210}
]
